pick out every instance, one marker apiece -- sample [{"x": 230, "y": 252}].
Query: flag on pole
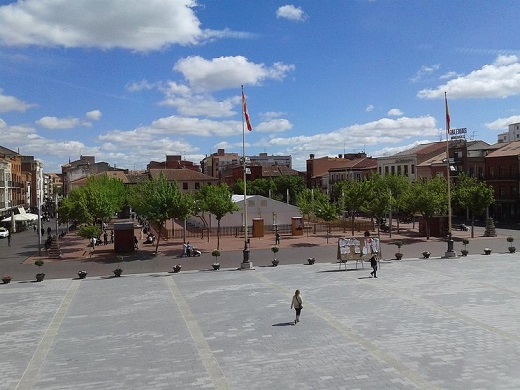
[
  {"x": 244, "y": 109},
  {"x": 447, "y": 115}
]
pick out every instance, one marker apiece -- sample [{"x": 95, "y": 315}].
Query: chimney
[{"x": 312, "y": 156}]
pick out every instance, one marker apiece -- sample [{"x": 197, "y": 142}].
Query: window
[
  {"x": 491, "y": 172},
  {"x": 398, "y": 169},
  {"x": 386, "y": 170},
  {"x": 184, "y": 186},
  {"x": 405, "y": 170},
  {"x": 380, "y": 171},
  {"x": 197, "y": 185},
  {"x": 392, "y": 169},
  {"x": 413, "y": 169}
]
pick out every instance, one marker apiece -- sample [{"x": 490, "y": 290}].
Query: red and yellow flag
[
  {"x": 246, "y": 115},
  {"x": 447, "y": 115}
]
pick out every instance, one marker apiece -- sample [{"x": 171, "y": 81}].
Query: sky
[{"x": 133, "y": 81}]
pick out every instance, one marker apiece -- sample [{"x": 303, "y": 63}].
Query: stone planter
[
  {"x": 216, "y": 266},
  {"x": 177, "y": 269},
  {"x": 118, "y": 272},
  {"x": 426, "y": 255},
  {"x": 275, "y": 262},
  {"x": 311, "y": 260},
  {"x": 398, "y": 256},
  {"x": 487, "y": 251},
  {"x": 40, "y": 277},
  {"x": 512, "y": 249},
  {"x": 6, "y": 280},
  {"x": 82, "y": 274},
  {"x": 464, "y": 252}
]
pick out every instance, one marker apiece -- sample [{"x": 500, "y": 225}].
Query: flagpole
[
  {"x": 450, "y": 252},
  {"x": 246, "y": 263}
]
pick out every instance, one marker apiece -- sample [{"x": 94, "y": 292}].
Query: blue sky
[{"x": 132, "y": 81}]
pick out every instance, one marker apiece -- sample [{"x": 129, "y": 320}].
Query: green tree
[
  {"x": 216, "y": 200},
  {"x": 397, "y": 186},
  {"x": 429, "y": 199},
  {"x": 377, "y": 201},
  {"x": 158, "y": 200},
  {"x": 472, "y": 195},
  {"x": 352, "y": 195},
  {"x": 291, "y": 184},
  {"x": 325, "y": 210}
]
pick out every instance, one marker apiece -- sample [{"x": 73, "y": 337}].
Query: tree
[
  {"x": 397, "y": 186},
  {"x": 288, "y": 184},
  {"x": 216, "y": 200},
  {"x": 352, "y": 195},
  {"x": 377, "y": 201},
  {"x": 472, "y": 195},
  {"x": 158, "y": 200},
  {"x": 325, "y": 210},
  {"x": 429, "y": 199}
]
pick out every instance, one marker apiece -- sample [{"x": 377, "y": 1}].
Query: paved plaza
[{"x": 422, "y": 324}]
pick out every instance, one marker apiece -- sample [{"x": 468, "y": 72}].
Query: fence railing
[{"x": 238, "y": 231}]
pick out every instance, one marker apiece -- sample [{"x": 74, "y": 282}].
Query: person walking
[
  {"x": 373, "y": 264},
  {"x": 105, "y": 238},
  {"x": 277, "y": 239},
  {"x": 111, "y": 236},
  {"x": 8, "y": 237},
  {"x": 297, "y": 303}
]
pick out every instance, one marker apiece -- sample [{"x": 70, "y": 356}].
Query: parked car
[{"x": 3, "y": 232}]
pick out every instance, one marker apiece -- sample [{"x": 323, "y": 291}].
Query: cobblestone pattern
[{"x": 423, "y": 324}]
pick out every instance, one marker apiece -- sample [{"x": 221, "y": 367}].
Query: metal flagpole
[
  {"x": 450, "y": 252},
  {"x": 246, "y": 263}
]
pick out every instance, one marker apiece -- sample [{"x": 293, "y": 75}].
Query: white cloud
[
  {"x": 130, "y": 24},
  {"x": 503, "y": 123},
  {"x": 382, "y": 131},
  {"x": 449, "y": 75},
  {"x": 498, "y": 80},
  {"x": 138, "y": 86},
  {"x": 227, "y": 72},
  {"x": 54, "y": 123},
  {"x": 395, "y": 112},
  {"x": 274, "y": 126},
  {"x": 11, "y": 103},
  {"x": 369, "y": 108},
  {"x": 291, "y": 12},
  {"x": 94, "y": 115},
  {"x": 425, "y": 70},
  {"x": 202, "y": 106}
]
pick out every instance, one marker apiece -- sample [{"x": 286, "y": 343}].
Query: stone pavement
[{"x": 423, "y": 324}]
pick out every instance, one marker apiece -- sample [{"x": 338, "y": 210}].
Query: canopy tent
[{"x": 25, "y": 217}]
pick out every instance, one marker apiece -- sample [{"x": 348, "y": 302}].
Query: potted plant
[
  {"x": 6, "y": 279},
  {"x": 216, "y": 254},
  {"x": 177, "y": 269},
  {"x": 82, "y": 274},
  {"x": 40, "y": 275},
  {"x": 118, "y": 271},
  {"x": 511, "y": 248},
  {"x": 311, "y": 260},
  {"x": 487, "y": 251},
  {"x": 275, "y": 250},
  {"x": 464, "y": 251},
  {"x": 426, "y": 254},
  {"x": 398, "y": 255}
]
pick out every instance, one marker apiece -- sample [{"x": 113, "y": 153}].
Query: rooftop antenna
[{"x": 472, "y": 136}]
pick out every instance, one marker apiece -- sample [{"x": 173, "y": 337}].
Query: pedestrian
[
  {"x": 8, "y": 237},
  {"x": 43, "y": 231},
  {"x": 277, "y": 239},
  {"x": 297, "y": 303},
  {"x": 49, "y": 230},
  {"x": 188, "y": 249},
  {"x": 373, "y": 264},
  {"x": 105, "y": 238},
  {"x": 111, "y": 236},
  {"x": 34, "y": 228},
  {"x": 136, "y": 243}
]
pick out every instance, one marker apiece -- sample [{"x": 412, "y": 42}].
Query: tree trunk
[{"x": 218, "y": 233}]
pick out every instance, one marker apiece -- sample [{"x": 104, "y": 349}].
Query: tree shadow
[{"x": 284, "y": 324}]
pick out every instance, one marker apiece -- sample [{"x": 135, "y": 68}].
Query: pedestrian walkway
[{"x": 423, "y": 324}]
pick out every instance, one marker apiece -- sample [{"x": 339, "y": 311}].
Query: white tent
[
  {"x": 270, "y": 210},
  {"x": 25, "y": 217}
]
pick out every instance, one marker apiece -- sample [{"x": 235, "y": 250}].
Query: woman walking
[{"x": 297, "y": 303}]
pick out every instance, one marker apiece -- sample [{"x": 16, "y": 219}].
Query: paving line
[
  {"x": 452, "y": 313},
  {"x": 347, "y": 332},
  {"x": 34, "y": 366},
  {"x": 208, "y": 358}
]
